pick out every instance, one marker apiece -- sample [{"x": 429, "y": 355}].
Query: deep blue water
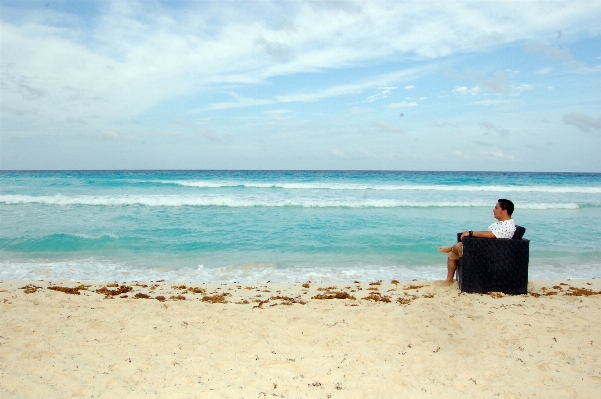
[{"x": 282, "y": 225}]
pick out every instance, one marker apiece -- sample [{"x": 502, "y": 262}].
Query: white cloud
[
  {"x": 494, "y": 128},
  {"x": 241, "y": 102},
  {"x": 209, "y": 134},
  {"x": 135, "y": 55},
  {"x": 356, "y": 87},
  {"x": 465, "y": 90},
  {"x": 498, "y": 84},
  {"x": 338, "y": 153},
  {"x": 402, "y": 104},
  {"x": 409, "y": 87},
  {"x": 521, "y": 88},
  {"x": 384, "y": 91},
  {"x": 493, "y": 102},
  {"x": 583, "y": 122},
  {"x": 358, "y": 110},
  {"x": 554, "y": 52},
  {"x": 364, "y": 153},
  {"x": 388, "y": 127},
  {"x": 498, "y": 155}
]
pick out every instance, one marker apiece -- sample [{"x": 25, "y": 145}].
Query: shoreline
[{"x": 278, "y": 339}]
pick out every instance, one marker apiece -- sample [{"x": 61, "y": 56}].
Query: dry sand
[{"x": 428, "y": 341}]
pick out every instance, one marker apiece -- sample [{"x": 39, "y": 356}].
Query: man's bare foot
[
  {"x": 446, "y": 249},
  {"x": 444, "y": 283}
]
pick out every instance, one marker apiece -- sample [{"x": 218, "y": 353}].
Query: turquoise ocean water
[{"x": 285, "y": 226}]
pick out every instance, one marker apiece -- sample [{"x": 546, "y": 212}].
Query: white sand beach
[{"x": 274, "y": 340}]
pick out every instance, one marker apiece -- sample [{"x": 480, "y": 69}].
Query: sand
[{"x": 428, "y": 341}]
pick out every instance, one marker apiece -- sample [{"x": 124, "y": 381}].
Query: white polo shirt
[{"x": 504, "y": 229}]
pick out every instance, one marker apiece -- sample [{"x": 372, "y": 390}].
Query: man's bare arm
[{"x": 479, "y": 234}]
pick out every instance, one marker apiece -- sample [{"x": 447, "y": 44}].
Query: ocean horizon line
[{"x": 304, "y": 170}]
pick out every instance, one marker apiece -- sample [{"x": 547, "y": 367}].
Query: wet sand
[{"x": 378, "y": 340}]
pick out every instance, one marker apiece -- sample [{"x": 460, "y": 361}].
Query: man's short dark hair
[{"x": 506, "y": 205}]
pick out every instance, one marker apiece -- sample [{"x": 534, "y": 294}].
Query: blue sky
[{"x": 401, "y": 85}]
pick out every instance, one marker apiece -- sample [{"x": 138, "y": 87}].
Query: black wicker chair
[{"x": 494, "y": 265}]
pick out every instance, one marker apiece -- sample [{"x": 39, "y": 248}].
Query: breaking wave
[
  {"x": 239, "y": 202},
  {"x": 388, "y": 187}
]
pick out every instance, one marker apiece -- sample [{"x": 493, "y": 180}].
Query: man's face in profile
[{"x": 497, "y": 211}]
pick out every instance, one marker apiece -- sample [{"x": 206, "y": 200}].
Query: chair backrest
[{"x": 519, "y": 233}]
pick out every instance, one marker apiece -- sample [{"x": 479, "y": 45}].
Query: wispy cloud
[
  {"x": 498, "y": 84},
  {"x": 383, "y": 93},
  {"x": 209, "y": 134},
  {"x": 583, "y": 122},
  {"x": 465, "y": 90},
  {"x": 388, "y": 127},
  {"x": 338, "y": 153},
  {"x": 550, "y": 51},
  {"x": 356, "y": 87},
  {"x": 491, "y": 127},
  {"x": 240, "y": 102},
  {"x": 498, "y": 155},
  {"x": 493, "y": 102},
  {"x": 402, "y": 104},
  {"x": 365, "y": 153}
]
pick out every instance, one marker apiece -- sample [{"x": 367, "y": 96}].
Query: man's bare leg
[
  {"x": 451, "y": 267},
  {"x": 445, "y": 249},
  {"x": 453, "y": 256}
]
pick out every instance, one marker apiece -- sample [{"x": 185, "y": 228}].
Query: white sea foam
[
  {"x": 241, "y": 202},
  {"x": 388, "y": 187},
  {"x": 100, "y": 270},
  {"x": 96, "y": 270}
]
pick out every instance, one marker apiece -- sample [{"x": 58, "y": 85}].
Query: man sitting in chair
[{"x": 504, "y": 228}]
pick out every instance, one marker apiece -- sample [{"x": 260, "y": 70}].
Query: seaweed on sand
[
  {"x": 69, "y": 290},
  {"x": 327, "y": 288},
  {"x": 376, "y": 297},
  {"x": 218, "y": 298},
  {"x": 30, "y": 288},
  {"x": 123, "y": 289},
  {"x": 573, "y": 291},
  {"x": 334, "y": 295},
  {"x": 197, "y": 290},
  {"x": 406, "y": 300},
  {"x": 286, "y": 300}
]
